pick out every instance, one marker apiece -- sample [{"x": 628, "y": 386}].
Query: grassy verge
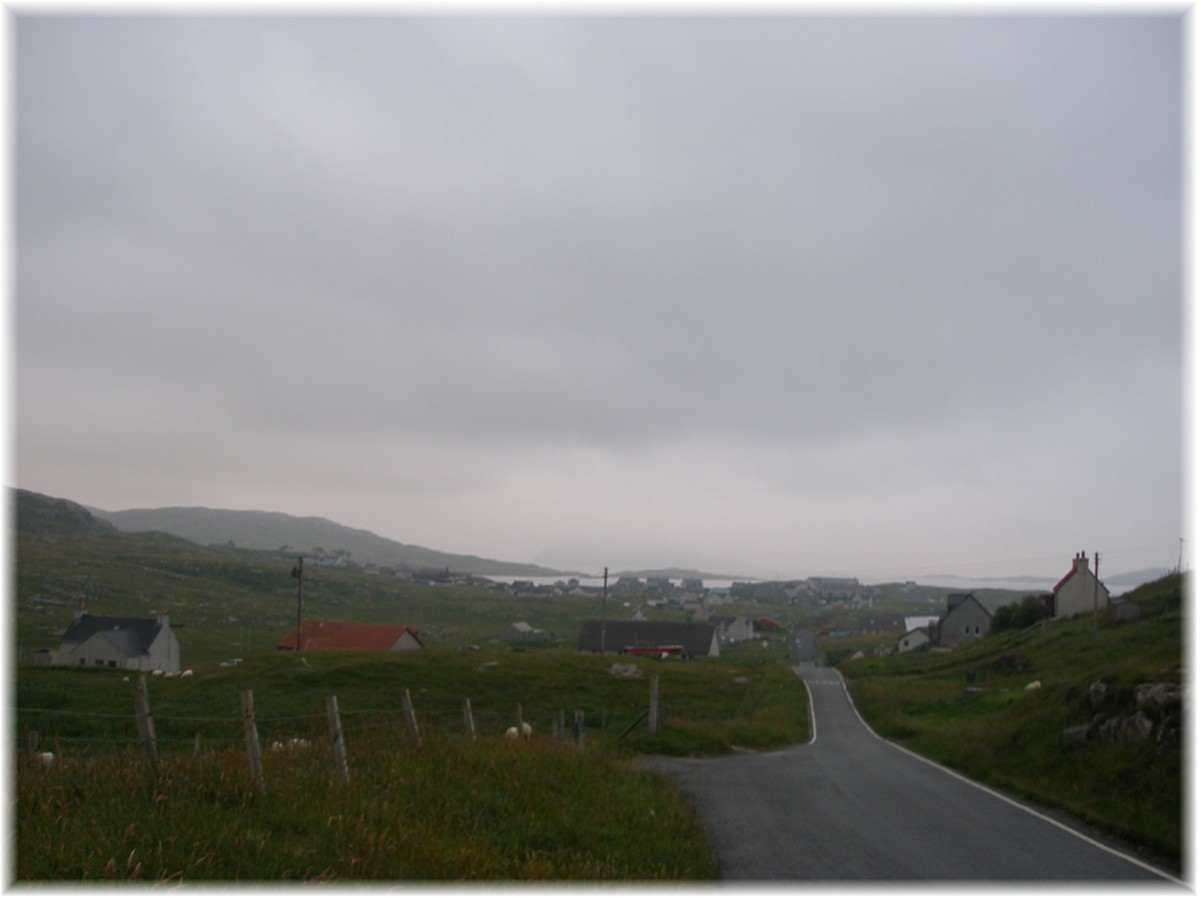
[
  {"x": 988, "y": 726},
  {"x": 450, "y": 811}
]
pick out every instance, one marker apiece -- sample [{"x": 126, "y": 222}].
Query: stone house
[
  {"x": 965, "y": 621},
  {"x": 119, "y": 642},
  {"x": 1079, "y": 591}
]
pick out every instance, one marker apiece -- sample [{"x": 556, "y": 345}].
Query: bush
[{"x": 1021, "y": 615}]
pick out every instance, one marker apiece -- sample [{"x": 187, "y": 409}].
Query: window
[{"x": 966, "y": 629}]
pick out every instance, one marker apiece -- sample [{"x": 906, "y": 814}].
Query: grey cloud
[{"x": 512, "y": 237}]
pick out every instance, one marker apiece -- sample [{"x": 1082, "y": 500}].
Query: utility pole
[
  {"x": 298, "y": 574},
  {"x": 1095, "y": 592},
  {"x": 603, "y": 610}
]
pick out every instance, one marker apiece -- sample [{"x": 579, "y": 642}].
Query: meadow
[{"x": 446, "y": 807}]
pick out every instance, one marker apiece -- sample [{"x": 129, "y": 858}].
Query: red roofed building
[
  {"x": 319, "y": 634},
  {"x": 1079, "y": 591}
]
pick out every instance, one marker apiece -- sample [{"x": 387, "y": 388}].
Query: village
[{"x": 651, "y": 616}]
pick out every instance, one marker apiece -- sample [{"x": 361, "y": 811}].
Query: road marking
[{"x": 1008, "y": 800}]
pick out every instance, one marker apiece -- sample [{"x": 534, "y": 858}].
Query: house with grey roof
[
  {"x": 523, "y": 633},
  {"x": 965, "y": 621},
  {"x": 120, "y": 642},
  {"x": 670, "y": 638}
]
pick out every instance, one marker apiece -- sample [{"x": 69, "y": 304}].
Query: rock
[
  {"x": 1118, "y": 729},
  {"x": 1079, "y": 733},
  {"x": 1097, "y": 694},
  {"x": 1158, "y": 694},
  {"x": 625, "y": 670}
]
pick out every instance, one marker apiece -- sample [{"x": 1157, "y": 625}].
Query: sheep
[
  {"x": 46, "y": 758},
  {"x": 186, "y": 673},
  {"x": 511, "y": 733},
  {"x": 526, "y": 730},
  {"x": 1033, "y": 686}
]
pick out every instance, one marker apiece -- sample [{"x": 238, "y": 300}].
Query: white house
[
  {"x": 1079, "y": 591},
  {"x": 119, "y": 642},
  {"x": 913, "y": 639}
]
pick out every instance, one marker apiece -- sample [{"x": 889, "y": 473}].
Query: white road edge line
[{"x": 998, "y": 795}]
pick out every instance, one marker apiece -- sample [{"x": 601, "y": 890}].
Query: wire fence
[{"x": 46, "y": 729}]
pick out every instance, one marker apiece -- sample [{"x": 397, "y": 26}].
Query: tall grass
[{"x": 451, "y": 810}]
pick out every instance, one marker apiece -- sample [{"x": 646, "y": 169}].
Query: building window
[{"x": 966, "y": 629}]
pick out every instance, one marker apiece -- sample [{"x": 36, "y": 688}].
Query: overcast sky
[{"x": 774, "y": 294}]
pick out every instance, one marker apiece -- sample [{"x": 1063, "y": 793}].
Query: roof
[
  {"x": 321, "y": 634},
  {"x": 962, "y": 604},
  {"x": 131, "y": 636},
  {"x": 696, "y": 639}
]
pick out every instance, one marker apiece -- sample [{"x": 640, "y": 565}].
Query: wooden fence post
[
  {"x": 577, "y": 728},
  {"x": 147, "y": 743},
  {"x": 411, "y": 715},
  {"x": 339, "y": 741},
  {"x": 654, "y": 705},
  {"x": 520, "y": 722},
  {"x": 468, "y": 718},
  {"x": 253, "y": 751}
]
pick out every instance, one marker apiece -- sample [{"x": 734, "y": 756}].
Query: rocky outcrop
[{"x": 1155, "y": 715}]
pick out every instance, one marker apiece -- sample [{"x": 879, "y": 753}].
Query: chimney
[
  {"x": 1081, "y": 562},
  {"x": 163, "y": 619}
]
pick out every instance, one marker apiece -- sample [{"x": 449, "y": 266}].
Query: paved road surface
[{"x": 849, "y": 806}]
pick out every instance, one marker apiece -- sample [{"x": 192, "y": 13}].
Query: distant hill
[
  {"x": 38, "y": 514},
  {"x": 254, "y": 530}
]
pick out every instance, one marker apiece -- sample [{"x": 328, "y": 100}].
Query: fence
[{"x": 335, "y": 727}]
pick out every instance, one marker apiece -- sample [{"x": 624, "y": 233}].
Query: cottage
[
  {"x": 966, "y": 620},
  {"x": 321, "y": 634},
  {"x": 733, "y": 629},
  {"x": 624, "y": 636},
  {"x": 119, "y": 642},
  {"x": 911, "y": 640},
  {"x": 1079, "y": 591},
  {"x": 523, "y": 633},
  {"x": 881, "y": 624}
]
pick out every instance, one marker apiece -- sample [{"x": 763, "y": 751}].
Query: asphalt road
[{"x": 850, "y": 807}]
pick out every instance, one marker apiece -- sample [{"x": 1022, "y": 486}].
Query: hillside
[
  {"x": 1082, "y": 717},
  {"x": 254, "y": 530}
]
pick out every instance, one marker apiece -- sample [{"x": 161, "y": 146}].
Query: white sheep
[
  {"x": 1033, "y": 686},
  {"x": 46, "y": 758},
  {"x": 512, "y": 734},
  {"x": 186, "y": 673},
  {"x": 526, "y": 730}
]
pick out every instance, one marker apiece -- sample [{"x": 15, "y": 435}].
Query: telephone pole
[
  {"x": 603, "y": 610},
  {"x": 298, "y": 574},
  {"x": 1095, "y": 591}
]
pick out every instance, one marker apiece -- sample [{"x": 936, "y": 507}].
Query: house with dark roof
[
  {"x": 670, "y": 638},
  {"x": 322, "y": 634},
  {"x": 1079, "y": 591},
  {"x": 965, "y": 621},
  {"x": 120, "y": 642},
  {"x": 733, "y": 629},
  {"x": 523, "y": 633}
]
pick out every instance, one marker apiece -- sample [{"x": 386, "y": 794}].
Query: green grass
[
  {"x": 450, "y": 811},
  {"x": 1005, "y": 736}
]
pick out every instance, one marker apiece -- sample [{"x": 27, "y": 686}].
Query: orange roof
[{"x": 320, "y": 634}]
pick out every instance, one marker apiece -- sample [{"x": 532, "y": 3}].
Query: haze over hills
[{"x": 255, "y": 530}]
